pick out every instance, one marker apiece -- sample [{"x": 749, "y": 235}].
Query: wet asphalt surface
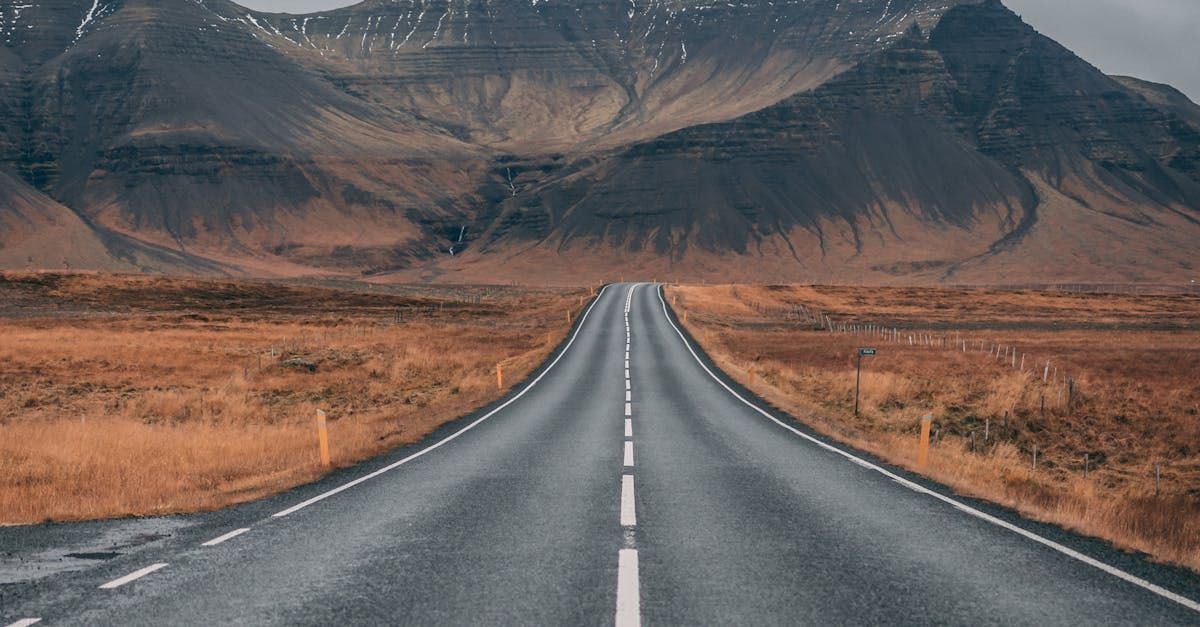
[{"x": 517, "y": 520}]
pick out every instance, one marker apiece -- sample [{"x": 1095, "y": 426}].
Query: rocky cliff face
[{"x": 439, "y": 135}]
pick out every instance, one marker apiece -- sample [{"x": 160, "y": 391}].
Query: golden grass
[
  {"x": 1135, "y": 411},
  {"x": 133, "y": 396}
]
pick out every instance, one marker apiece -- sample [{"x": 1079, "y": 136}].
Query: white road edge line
[
  {"x": 134, "y": 576},
  {"x": 1069, "y": 552},
  {"x": 26, "y": 622},
  {"x": 629, "y": 598},
  {"x": 456, "y": 434},
  {"x": 628, "y": 428},
  {"x": 229, "y": 536},
  {"x": 628, "y": 454},
  {"x": 628, "y": 509}
]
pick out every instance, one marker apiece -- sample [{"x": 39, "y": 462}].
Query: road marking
[
  {"x": 134, "y": 576},
  {"x": 628, "y": 510},
  {"x": 1069, "y": 552},
  {"x": 628, "y": 395},
  {"x": 628, "y": 409},
  {"x": 628, "y": 454},
  {"x": 626, "y": 363},
  {"x": 628, "y": 428},
  {"x": 629, "y": 601},
  {"x": 26, "y": 622},
  {"x": 229, "y": 536},
  {"x": 627, "y": 371},
  {"x": 627, "y": 384},
  {"x": 626, "y": 354},
  {"x": 456, "y": 434}
]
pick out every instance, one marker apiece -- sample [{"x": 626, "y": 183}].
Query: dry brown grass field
[
  {"x": 1117, "y": 458},
  {"x": 138, "y": 395}
]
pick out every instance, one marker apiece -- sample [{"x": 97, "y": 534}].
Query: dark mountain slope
[
  {"x": 38, "y": 233},
  {"x": 865, "y": 142},
  {"x": 1164, "y": 97},
  {"x": 950, "y": 136},
  {"x": 1034, "y": 105},
  {"x": 167, "y": 125}
]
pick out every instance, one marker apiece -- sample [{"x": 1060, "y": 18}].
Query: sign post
[{"x": 862, "y": 352}]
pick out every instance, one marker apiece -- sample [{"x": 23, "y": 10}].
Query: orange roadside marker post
[
  {"x": 923, "y": 449},
  {"x": 323, "y": 437}
]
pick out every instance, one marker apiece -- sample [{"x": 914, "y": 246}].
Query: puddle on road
[{"x": 91, "y": 556}]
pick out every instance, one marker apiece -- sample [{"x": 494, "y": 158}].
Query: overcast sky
[{"x": 1158, "y": 40}]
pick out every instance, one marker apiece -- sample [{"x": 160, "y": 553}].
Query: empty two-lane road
[{"x": 626, "y": 483}]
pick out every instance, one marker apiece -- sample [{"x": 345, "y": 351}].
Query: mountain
[
  {"x": 559, "y": 140},
  {"x": 36, "y": 233}
]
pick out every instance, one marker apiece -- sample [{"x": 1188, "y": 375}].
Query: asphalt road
[{"x": 626, "y": 482}]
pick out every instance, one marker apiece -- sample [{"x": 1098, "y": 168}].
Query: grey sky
[{"x": 1158, "y": 40}]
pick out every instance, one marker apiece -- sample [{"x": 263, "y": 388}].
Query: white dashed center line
[
  {"x": 134, "y": 576},
  {"x": 629, "y": 612},
  {"x": 229, "y": 536},
  {"x": 628, "y": 510}
]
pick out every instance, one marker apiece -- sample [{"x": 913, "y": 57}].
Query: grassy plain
[
  {"x": 1108, "y": 394},
  {"x": 140, "y": 395}
]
